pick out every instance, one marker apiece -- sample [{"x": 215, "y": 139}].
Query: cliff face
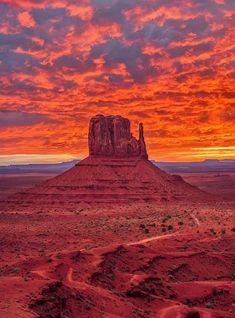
[{"x": 110, "y": 136}]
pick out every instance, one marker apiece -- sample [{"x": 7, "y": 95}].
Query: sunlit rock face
[{"x": 111, "y": 136}]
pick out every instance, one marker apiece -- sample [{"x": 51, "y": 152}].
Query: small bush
[
  {"x": 146, "y": 231},
  {"x": 213, "y": 231},
  {"x": 209, "y": 305},
  {"x": 193, "y": 314},
  {"x": 166, "y": 218}
]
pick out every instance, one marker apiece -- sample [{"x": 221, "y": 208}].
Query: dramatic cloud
[
  {"x": 115, "y": 53},
  {"x": 169, "y": 64},
  {"x": 10, "y": 118}
]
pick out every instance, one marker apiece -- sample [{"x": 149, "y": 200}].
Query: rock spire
[{"x": 111, "y": 136}]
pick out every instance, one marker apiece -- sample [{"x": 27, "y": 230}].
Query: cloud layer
[
  {"x": 10, "y": 118},
  {"x": 169, "y": 64}
]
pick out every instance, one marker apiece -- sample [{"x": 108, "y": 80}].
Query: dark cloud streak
[{"x": 9, "y": 118}]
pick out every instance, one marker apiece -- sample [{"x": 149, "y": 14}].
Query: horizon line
[{"x": 27, "y": 159}]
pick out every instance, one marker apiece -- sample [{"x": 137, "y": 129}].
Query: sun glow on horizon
[
  {"x": 21, "y": 159},
  {"x": 197, "y": 154}
]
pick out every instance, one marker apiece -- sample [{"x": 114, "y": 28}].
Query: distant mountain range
[
  {"x": 209, "y": 165},
  {"x": 172, "y": 167},
  {"x": 46, "y": 167}
]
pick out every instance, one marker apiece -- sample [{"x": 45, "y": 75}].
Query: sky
[{"x": 166, "y": 63}]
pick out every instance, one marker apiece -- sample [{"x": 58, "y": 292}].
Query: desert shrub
[
  {"x": 16, "y": 270},
  {"x": 166, "y": 218},
  {"x": 193, "y": 314},
  {"x": 170, "y": 227},
  {"x": 213, "y": 231}
]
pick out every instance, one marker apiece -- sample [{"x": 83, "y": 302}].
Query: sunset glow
[{"x": 168, "y": 64}]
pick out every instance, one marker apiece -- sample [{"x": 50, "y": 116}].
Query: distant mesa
[
  {"x": 116, "y": 171},
  {"x": 111, "y": 136}
]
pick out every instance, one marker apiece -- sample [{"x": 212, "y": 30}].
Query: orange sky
[{"x": 168, "y": 64}]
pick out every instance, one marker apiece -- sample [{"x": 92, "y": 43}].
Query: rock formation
[
  {"x": 116, "y": 171},
  {"x": 111, "y": 136}
]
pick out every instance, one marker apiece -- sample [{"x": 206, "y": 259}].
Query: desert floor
[
  {"x": 142, "y": 260},
  {"x": 133, "y": 260}
]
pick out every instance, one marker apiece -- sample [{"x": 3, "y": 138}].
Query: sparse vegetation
[
  {"x": 16, "y": 270},
  {"x": 213, "y": 231},
  {"x": 209, "y": 305},
  {"x": 166, "y": 218},
  {"x": 146, "y": 231}
]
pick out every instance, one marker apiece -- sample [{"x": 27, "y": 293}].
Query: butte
[{"x": 116, "y": 171}]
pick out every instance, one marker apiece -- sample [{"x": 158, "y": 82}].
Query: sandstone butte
[
  {"x": 110, "y": 136},
  {"x": 116, "y": 171}
]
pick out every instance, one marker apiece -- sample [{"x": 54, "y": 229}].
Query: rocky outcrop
[{"x": 111, "y": 136}]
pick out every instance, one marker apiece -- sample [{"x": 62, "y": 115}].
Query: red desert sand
[{"x": 116, "y": 237}]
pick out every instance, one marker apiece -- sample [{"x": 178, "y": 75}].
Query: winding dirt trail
[
  {"x": 150, "y": 239},
  {"x": 102, "y": 261}
]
